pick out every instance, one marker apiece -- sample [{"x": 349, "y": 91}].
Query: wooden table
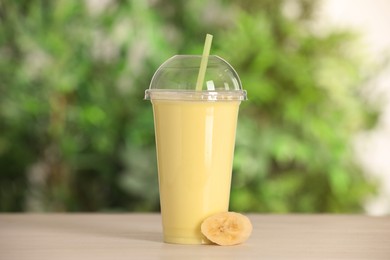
[{"x": 138, "y": 236}]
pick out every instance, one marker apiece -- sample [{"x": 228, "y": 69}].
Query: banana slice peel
[{"x": 227, "y": 228}]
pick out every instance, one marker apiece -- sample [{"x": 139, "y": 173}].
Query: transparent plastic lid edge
[{"x": 188, "y": 95}]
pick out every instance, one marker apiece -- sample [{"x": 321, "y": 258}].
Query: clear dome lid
[{"x": 176, "y": 79}]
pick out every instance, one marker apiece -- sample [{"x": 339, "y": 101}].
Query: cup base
[{"x": 186, "y": 240}]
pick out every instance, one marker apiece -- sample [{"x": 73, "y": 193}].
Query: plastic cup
[{"x": 195, "y": 136}]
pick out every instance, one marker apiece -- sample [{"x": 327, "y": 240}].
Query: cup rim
[{"x": 194, "y": 95}]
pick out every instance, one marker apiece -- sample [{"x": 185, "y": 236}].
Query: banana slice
[{"x": 227, "y": 228}]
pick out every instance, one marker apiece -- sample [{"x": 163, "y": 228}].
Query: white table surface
[{"x": 139, "y": 236}]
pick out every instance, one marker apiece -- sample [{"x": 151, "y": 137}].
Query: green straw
[{"x": 203, "y": 62}]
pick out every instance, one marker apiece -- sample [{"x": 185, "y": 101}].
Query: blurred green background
[{"x": 76, "y": 134}]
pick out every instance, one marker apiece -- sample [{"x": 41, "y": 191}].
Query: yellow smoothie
[{"x": 195, "y": 145}]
